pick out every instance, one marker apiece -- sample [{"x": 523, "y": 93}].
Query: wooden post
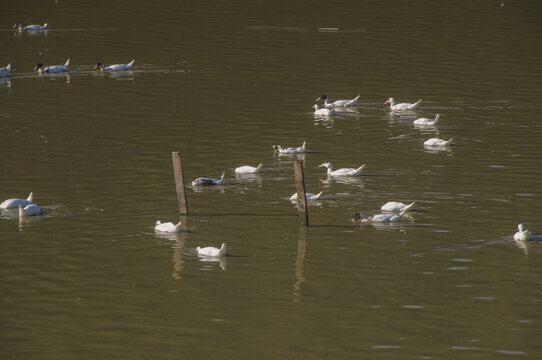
[
  {"x": 301, "y": 196},
  {"x": 179, "y": 182}
]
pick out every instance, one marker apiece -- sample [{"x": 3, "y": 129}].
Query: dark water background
[{"x": 223, "y": 81}]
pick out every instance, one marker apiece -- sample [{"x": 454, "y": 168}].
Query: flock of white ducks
[{"x": 25, "y": 206}]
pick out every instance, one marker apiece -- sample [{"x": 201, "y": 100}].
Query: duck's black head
[
  {"x": 38, "y": 66},
  {"x": 357, "y": 216},
  {"x": 98, "y": 65}
]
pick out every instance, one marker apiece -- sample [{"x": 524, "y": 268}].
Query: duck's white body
[
  {"x": 29, "y": 210},
  {"x": 378, "y": 218},
  {"x": 212, "y": 251},
  {"x": 15, "y": 202},
  {"x": 523, "y": 234},
  {"x": 20, "y": 27},
  {"x": 343, "y": 171},
  {"x": 338, "y": 103},
  {"x": 53, "y": 69},
  {"x": 436, "y": 142},
  {"x": 5, "y": 71},
  {"x": 116, "y": 67},
  {"x": 247, "y": 169},
  {"x": 394, "y": 206},
  {"x": 323, "y": 112},
  {"x": 309, "y": 196},
  {"x": 202, "y": 181},
  {"x": 402, "y": 106},
  {"x": 298, "y": 150},
  {"x": 168, "y": 227},
  {"x": 426, "y": 121}
]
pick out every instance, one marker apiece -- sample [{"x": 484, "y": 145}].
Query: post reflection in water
[
  {"x": 178, "y": 262},
  {"x": 299, "y": 262}
]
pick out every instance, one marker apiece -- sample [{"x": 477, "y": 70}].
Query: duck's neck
[{"x": 329, "y": 168}]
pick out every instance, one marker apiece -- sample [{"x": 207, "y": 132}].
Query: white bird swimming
[
  {"x": 202, "y": 181},
  {"x": 323, "y": 112},
  {"x": 19, "y": 26},
  {"x": 427, "y": 122},
  {"x": 394, "y": 206},
  {"x": 212, "y": 251},
  {"x": 115, "y": 67},
  {"x": 338, "y": 103},
  {"x": 436, "y": 142},
  {"x": 402, "y": 106},
  {"x": 290, "y": 150},
  {"x": 523, "y": 234},
  {"x": 309, "y": 196},
  {"x": 343, "y": 171},
  {"x": 5, "y": 71},
  {"x": 52, "y": 69},
  {"x": 378, "y": 218},
  {"x": 168, "y": 227},
  {"x": 247, "y": 169},
  {"x": 15, "y": 202},
  {"x": 29, "y": 210}
]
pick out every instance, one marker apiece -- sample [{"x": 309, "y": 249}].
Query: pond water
[{"x": 222, "y": 82}]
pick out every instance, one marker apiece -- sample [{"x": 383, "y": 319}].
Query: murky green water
[{"x": 222, "y": 82}]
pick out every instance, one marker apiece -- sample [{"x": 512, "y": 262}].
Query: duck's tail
[
  {"x": 360, "y": 169},
  {"x": 303, "y": 147},
  {"x": 416, "y": 104},
  {"x": 353, "y": 101},
  {"x": 131, "y": 63},
  {"x": 409, "y": 206},
  {"x": 222, "y": 251},
  {"x": 45, "y": 26},
  {"x": 435, "y": 122},
  {"x": 258, "y": 168},
  {"x": 8, "y": 68},
  {"x": 30, "y": 197},
  {"x": 447, "y": 142},
  {"x": 317, "y": 196},
  {"x": 67, "y": 63},
  {"x": 178, "y": 227}
]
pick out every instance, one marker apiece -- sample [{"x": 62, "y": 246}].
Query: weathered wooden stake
[
  {"x": 301, "y": 195},
  {"x": 179, "y": 182}
]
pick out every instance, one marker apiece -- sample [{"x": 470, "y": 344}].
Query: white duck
[
  {"x": 29, "y": 210},
  {"x": 378, "y": 218},
  {"x": 290, "y": 150},
  {"x": 19, "y": 26},
  {"x": 116, "y": 67},
  {"x": 323, "y": 112},
  {"x": 343, "y": 171},
  {"x": 427, "y": 122},
  {"x": 202, "y": 181},
  {"x": 52, "y": 69},
  {"x": 402, "y": 106},
  {"x": 338, "y": 103},
  {"x": 523, "y": 234},
  {"x": 309, "y": 196},
  {"x": 247, "y": 169},
  {"x": 168, "y": 227},
  {"x": 394, "y": 206},
  {"x": 212, "y": 251},
  {"x": 15, "y": 202},
  {"x": 5, "y": 71},
  {"x": 436, "y": 142}
]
